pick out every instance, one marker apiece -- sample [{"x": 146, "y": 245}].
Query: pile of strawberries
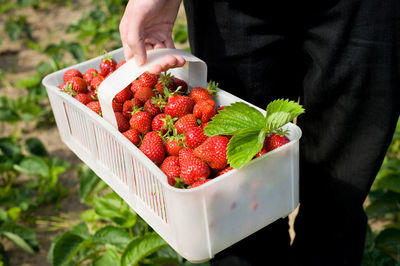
[{"x": 159, "y": 115}]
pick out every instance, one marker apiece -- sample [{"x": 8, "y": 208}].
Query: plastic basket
[{"x": 198, "y": 222}]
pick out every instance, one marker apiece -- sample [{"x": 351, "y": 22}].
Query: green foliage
[
  {"x": 22, "y": 236},
  {"x": 249, "y": 127},
  {"x": 383, "y": 247},
  {"x": 29, "y": 158},
  {"x": 15, "y": 26},
  {"x": 110, "y": 233},
  {"x": 99, "y": 27}
]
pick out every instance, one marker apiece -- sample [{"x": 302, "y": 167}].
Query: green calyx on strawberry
[
  {"x": 249, "y": 127},
  {"x": 165, "y": 81},
  {"x": 200, "y": 94},
  {"x": 107, "y": 65}
]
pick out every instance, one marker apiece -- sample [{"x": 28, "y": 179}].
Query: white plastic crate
[{"x": 198, "y": 222}]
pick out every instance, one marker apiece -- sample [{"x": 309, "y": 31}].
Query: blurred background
[{"x": 53, "y": 209}]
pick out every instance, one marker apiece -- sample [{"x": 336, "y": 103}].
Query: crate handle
[{"x": 129, "y": 71}]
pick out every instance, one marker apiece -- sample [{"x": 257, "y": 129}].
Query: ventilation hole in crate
[
  {"x": 67, "y": 116},
  {"x": 148, "y": 189},
  {"x": 134, "y": 181}
]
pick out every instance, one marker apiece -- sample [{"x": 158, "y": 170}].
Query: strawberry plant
[
  {"x": 383, "y": 246},
  {"x": 21, "y": 236},
  {"x": 31, "y": 159},
  {"x": 28, "y": 178},
  {"x": 110, "y": 232},
  {"x": 249, "y": 128}
]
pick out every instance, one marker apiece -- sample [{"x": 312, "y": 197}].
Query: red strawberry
[
  {"x": 62, "y": 86},
  {"x": 162, "y": 123},
  {"x": 135, "y": 85},
  {"x": 180, "y": 83},
  {"x": 76, "y": 85},
  {"x": 213, "y": 152},
  {"x": 128, "y": 106},
  {"x": 192, "y": 168},
  {"x": 122, "y": 122},
  {"x": 151, "y": 107},
  {"x": 93, "y": 94},
  {"x": 165, "y": 81},
  {"x": 204, "y": 110},
  {"x": 147, "y": 79},
  {"x": 199, "y": 182},
  {"x": 225, "y": 170},
  {"x": 141, "y": 121},
  {"x": 133, "y": 135},
  {"x": 107, "y": 65},
  {"x": 89, "y": 74},
  {"x": 153, "y": 147},
  {"x": 96, "y": 81},
  {"x": 95, "y": 106},
  {"x": 185, "y": 122},
  {"x": 179, "y": 106},
  {"x": 144, "y": 93},
  {"x": 274, "y": 141},
  {"x": 117, "y": 107},
  {"x": 199, "y": 94},
  {"x": 170, "y": 167},
  {"x": 70, "y": 73},
  {"x": 194, "y": 137},
  {"x": 123, "y": 95},
  {"x": 174, "y": 144},
  {"x": 120, "y": 64},
  {"x": 83, "y": 98}
]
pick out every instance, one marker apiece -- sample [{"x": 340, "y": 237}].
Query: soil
[{"x": 17, "y": 61}]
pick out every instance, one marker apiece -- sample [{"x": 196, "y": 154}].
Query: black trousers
[{"x": 342, "y": 58}]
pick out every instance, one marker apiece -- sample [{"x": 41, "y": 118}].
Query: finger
[
  {"x": 159, "y": 45},
  {"x": 169, "y": 43},
  {"x": 149, "y": 46},
  {"x": 155, "y": 42},
  {"x": 166, "y": 63},
  {"x": 127, "y": 51},
  {"x": 137, "y": 46}
]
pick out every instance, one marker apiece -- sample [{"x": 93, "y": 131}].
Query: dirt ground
[{"x": 18, "y": 61}]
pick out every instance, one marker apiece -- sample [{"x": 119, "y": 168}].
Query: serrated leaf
[
  {"x": 9, "y": 148},
  {"x": 23, "y": 237},
  {"x": 111, "y": 207},
  {"x": 19, "y": 242},
  {"x": 280, "y": 112},
  {"x": 388, "y": 240},
  {"x": 64, "y": 248},
  {"x": 114, "y": 236},
  {"x": 389, "y": 181},
  {"x": 35, "y": 147},
  {"x": 81, "y": 230},
  {"x": 88, "y": 182},
  {"x": 32, "y": 165},
  {"x": 140, "y": 248},
  {"x": 109, "y": 258},
  {"x": 388, "y": 202},
  {"x": 233, "y": 118},
  {"x": 244, "y": 145}
]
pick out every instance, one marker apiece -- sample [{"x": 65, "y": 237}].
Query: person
[{"x": 341, "y": 58}]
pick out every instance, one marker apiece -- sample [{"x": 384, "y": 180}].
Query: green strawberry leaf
[
  {"x": 280, "y": 112},
  {"x": 233, "y": 118},
  {"x": 244, "y": 145}
]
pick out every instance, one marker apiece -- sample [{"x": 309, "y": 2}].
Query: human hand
[
  {"x": 146, "y": 25},
  {"x": 166, "y": 63}
]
